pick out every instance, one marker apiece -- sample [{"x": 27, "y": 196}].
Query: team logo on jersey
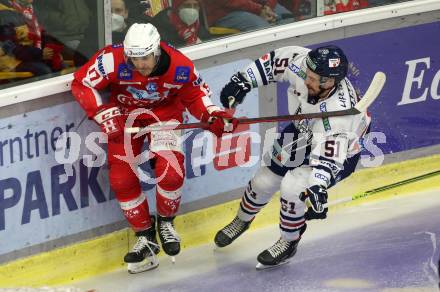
[
  {"x": 182, "y": 74},
  {"x": 124, "y": 73},
  {"x": 151, "y": 87},
  {"x": 143, "y": 94}
]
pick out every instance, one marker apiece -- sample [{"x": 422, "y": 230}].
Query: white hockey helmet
[{"x": 141, "y": 40}]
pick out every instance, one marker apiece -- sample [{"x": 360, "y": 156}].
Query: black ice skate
[
  {"x": 231, "y": 232},
  {"x": 278, "y": 254},
  {"x": 143, "y": 255},
  {"x": 168, "y": 236}
]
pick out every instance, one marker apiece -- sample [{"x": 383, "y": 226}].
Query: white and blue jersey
[{"x": 331, "y": 146}]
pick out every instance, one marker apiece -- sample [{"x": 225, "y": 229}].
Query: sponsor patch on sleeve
[
  {"x": 251, "y": 75},
  {"x": 182, "y": 74},
  {"x": 198, "y": 80}
]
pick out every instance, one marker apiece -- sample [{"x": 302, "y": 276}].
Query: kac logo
[{"x": 151, "y": 87}]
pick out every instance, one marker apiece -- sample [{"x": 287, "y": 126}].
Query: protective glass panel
[
  {"x": 43, "y": 39},
  {"x": 189, "y": 22}
]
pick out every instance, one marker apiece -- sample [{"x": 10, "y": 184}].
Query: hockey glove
[
  {"x": 234, "y": 91},
  {"x": 221, "y": 122},
  {"x": 317, "y": 196},
  {"x": 110, "y": 121}
]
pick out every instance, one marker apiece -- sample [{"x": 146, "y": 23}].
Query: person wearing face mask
[
  {"x": 119, "y": 20},
  {"x": 180, "y": 24}
]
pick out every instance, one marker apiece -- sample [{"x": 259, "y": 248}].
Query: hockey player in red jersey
[{"x": 146, "y": 74}]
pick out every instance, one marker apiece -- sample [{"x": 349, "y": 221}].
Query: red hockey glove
[
  {"x": 111, "y": 121},
  {"x": 221, "y": 122}
]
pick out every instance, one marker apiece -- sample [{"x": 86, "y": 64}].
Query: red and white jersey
[{"x": 166, "y": 95}]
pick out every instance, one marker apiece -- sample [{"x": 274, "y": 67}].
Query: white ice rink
[{"x": 388, "y": 245}]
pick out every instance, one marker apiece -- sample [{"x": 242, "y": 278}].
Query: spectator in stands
[
  {"x": 119, "y": 21},
  {"x": 180, "y": 24},
  {"x": 26, "y": 9},
  {"x": 17, "y": 54},
  {"x": 138, "y": 9},
  {"x": 51, "y": 48},
  {"x": 338, "y": 6},
  {"x": 301, "y": 9},
  {"x": 246, "y": 15}
]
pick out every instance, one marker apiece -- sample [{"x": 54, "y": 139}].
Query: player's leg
[
  {"x": 170, "y": 173},
  {"x": 125, "y": 183},
  {"x": 258, "y": 192},
  {"x": 264, "y": 184},
  {"x": 292, "y": 222}
]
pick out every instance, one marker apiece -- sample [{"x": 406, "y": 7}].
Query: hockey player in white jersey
[{"x": 310, "y": 156}]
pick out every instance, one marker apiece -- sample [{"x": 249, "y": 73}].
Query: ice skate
[
  {"x": 278, "y": 254},
  {"x": 231, "y": 232},
  {"x": 143, "y": 257},
  {"x": 168, "y": 236}
]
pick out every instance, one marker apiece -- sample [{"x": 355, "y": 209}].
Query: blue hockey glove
[
  {"x": 234, "y": 91},
  {"x": 317, "y": 196}
]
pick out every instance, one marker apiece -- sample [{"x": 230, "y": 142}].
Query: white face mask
[
  {"x": 189, "y": 15},
  {"x": 118, "y": 22}
]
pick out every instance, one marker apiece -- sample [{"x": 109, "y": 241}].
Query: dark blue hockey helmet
[{"x": 328, "y": 61}]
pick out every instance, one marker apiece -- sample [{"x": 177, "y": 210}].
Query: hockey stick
[
  {"x": 372, "y": 93},
  {"x": 382, "y": 188}
]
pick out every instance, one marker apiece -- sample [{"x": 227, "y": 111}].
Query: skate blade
[
  {"x": 173, "y": 259},
  {"x": 145, "y": 265},
  {"x": 261, "y": 267}
]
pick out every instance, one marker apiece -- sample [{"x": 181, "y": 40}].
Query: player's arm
[
  {"x": 269, "y": 68},
  {"x": 196, "y": 97},
  {"x": 88, "y": 80}
]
